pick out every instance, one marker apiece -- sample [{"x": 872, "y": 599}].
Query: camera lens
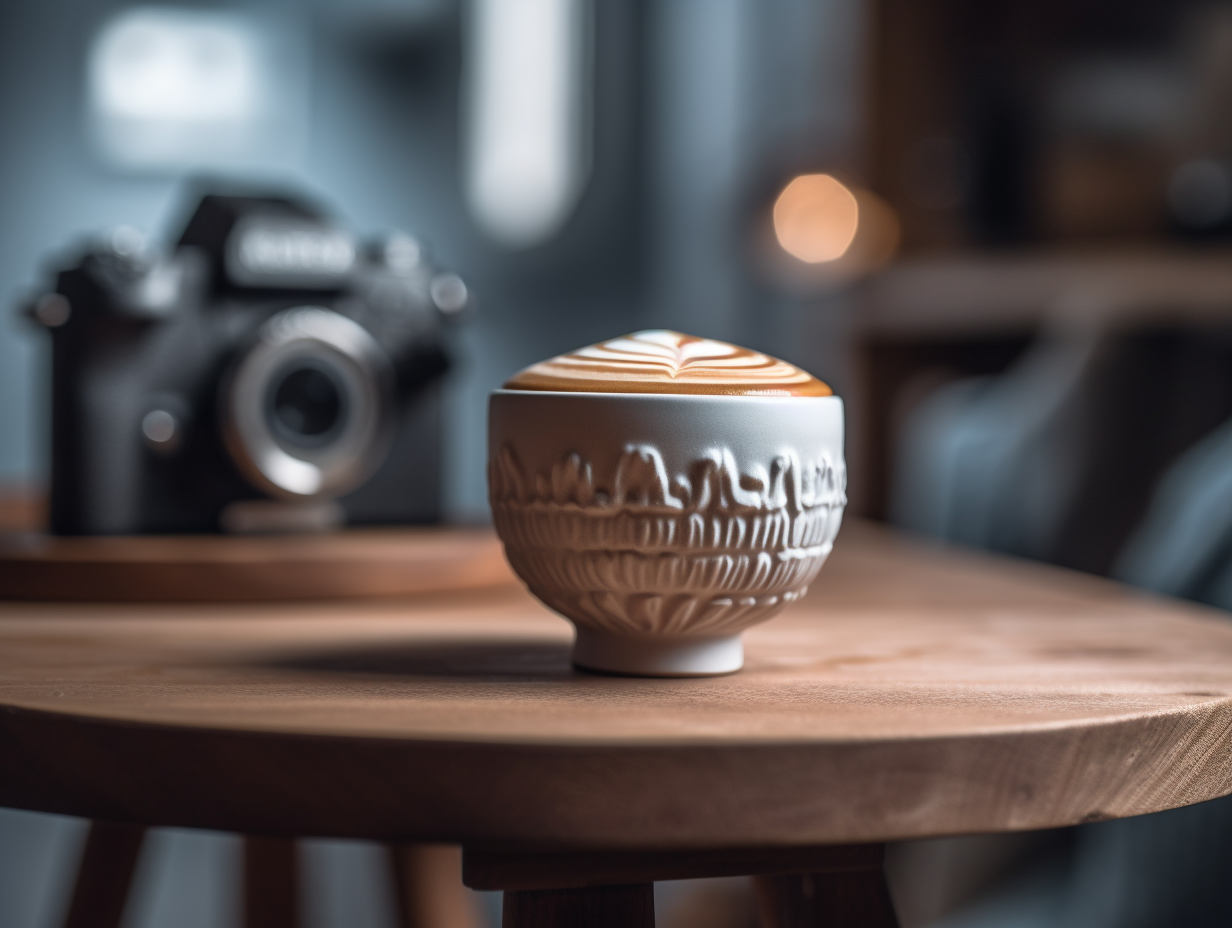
[{"x": 307, "y": 405}]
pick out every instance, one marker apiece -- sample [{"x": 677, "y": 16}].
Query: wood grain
[
  {"x": 359, "y": 563},
  {"x": 914, "y": 692}
]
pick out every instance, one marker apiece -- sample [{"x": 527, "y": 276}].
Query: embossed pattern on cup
[{"x": 663, "y": 526}]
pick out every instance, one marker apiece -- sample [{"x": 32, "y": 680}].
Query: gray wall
[{"x": 712, "y": 93}]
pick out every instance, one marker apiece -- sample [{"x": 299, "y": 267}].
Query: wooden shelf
[{"x": 999, "y": 293}]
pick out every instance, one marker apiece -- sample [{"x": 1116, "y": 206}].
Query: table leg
[
  {"x": 428, "y": 884},
  {"x": 827, "y": 886},
  {"x": 271, "y": 883},
  {"x": 630, "y": 905},
  {"x": 104, "y": 876},
  {"x": 855, "y": 899}
]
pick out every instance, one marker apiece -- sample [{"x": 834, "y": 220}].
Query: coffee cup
[{"x": 664, "y": 520}]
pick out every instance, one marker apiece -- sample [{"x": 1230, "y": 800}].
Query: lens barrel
[{"x": 307, "y": 410}]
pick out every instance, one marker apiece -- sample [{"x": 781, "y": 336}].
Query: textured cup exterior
[{"x": 676, "y": 516}]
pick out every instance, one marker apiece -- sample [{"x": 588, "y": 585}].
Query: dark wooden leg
[
  {"x": 854, "y": 899},
  {"x": 428, "y": 881},
  {"x": 105, "y": 874},
  {"x": 834, "y": 886},
  {"x": 626, "y": 906},
  {"x": 271, "y": 883}
]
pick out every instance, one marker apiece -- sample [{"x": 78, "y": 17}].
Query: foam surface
[{"x": 661, "y": 361}]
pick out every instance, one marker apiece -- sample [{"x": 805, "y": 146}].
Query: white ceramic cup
[{"x": 663, "y": 525}]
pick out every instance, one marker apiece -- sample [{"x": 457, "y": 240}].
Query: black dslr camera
[{"x": 268, "y": 374}]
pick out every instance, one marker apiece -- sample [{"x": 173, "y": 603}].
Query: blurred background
[
  {"x": 1002, "y": 232},
  {"x": 598, "y": 175}
]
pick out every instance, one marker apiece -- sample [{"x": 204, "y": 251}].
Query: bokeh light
[{"x": 816, "y": 218}]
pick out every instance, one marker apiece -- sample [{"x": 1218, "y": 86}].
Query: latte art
[{"x": 660, "y": 361}]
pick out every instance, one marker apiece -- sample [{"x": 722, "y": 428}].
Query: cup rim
[{"x": 655, "y": 397}]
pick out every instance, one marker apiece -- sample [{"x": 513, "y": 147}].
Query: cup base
[{"x": 657, "y": 657}]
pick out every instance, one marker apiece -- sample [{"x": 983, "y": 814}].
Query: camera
[{"x": 268, "y": 373}]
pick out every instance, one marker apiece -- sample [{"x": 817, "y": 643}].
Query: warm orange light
[{"x": 815, "y": 218}]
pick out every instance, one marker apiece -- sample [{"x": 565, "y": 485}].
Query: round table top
[
  {"x": 352, "y": 564},
  {"x": 913, "y": 692}
]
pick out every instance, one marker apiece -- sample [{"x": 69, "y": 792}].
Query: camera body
[{"x": 269, "y": 373}]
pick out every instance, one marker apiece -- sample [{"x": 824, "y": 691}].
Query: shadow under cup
[{"x": 663, "y": 525}]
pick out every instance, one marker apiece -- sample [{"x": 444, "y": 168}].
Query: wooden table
[
  {"x": 352, "y": 564},
  {"x": 914, "y": 692}
]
